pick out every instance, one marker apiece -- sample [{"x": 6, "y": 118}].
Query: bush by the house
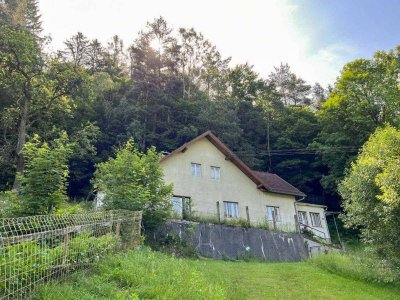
[{"x": 134, "y": 181}]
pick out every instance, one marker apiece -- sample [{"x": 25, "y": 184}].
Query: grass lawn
[
  {"x": 289, "y": 281},
  {"x": 149, "y": 275}
]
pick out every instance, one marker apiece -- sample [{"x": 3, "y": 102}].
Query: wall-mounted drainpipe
[{"x": 295, "y": 210}]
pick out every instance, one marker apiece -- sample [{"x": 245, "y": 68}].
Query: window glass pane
[
  {"x": 196, "y": 169},
  {"x": 177, "y": 205},
  {"x": 273, "y": 213},
  {"x": 303, "y": 217},
  {"x": 215, "y": 172},
  {"x": 231, "y": 209},
  {"x": 269, "y": 213},
  {"x": 315, "y": 219}
]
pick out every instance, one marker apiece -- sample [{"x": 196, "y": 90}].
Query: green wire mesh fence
[{"x": 37, "y": 249}]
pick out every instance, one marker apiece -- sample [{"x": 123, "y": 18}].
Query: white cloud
[{"x": 263, "y": 33}]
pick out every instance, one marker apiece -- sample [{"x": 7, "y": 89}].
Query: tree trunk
[{"x": 20, "y": 145}]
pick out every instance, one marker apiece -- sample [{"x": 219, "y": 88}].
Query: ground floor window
[
  {"x": 303, "y": 220},
  {"x": 181, "y": 206},
  {"x": 231, "y": 209},
  {"x": 315, "y": 219},
  {"x": 273, "y": 214}
]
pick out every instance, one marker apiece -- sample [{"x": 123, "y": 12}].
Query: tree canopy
[
  {"x": 371, "y": 192},
  {"x": 170, "y": 85}
]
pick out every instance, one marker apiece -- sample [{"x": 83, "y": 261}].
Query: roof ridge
[{"x": 230, "y": 155}]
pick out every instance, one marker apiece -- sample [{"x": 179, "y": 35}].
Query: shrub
[
  {"x": 361, "y": 265},
  {"x": 9, "y": 204},
  {"x": 28, "y": 262},
  {"x": 44, "y": 179},
  {"x": 134, "y": 181}
]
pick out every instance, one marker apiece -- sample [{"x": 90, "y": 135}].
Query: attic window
[
  {"x": 196, "y": 169},
  {"x": 215, "y": 173}
]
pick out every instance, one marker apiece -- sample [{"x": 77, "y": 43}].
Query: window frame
[
  {"x": 227, "y": 209},
  {"x": 301, "y": 214},
  {"x": 185, "y": 205},
  {"x": 213, "y": 173},
  {"x": 278, "y": 214},
  {"x": 196, "y": 169},
  {"x": 315, "y": 214}
]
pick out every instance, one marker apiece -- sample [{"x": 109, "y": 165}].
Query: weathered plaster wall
[
  {"x": 233, "y": 186},
  {"x": 221, "y": 241},
  {"x": 322, "y": 231}
]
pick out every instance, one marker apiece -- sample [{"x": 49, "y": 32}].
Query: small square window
[
  {"x": 231, "y": 209},
  {"x": 315, "y": 219},
  {"x": 215, "y": 172},
  {"x": 196, "y": 169}
]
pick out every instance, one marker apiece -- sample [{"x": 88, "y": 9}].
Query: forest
[{"x": 168, "y": 85}]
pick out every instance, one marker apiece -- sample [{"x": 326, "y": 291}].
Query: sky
[{"x": 315, "y": 37}]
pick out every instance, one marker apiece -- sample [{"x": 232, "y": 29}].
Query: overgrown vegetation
[
  {"x": 359, "y": 264},
  {"x": 137, "y": 275},
  {"x": 150, "y": 275},
  {"x": 371, "y": 194},
  {"x": 44, "y": 179},
  {"x": 26, "y": 262},
  {"x": 135, "y": 181}
]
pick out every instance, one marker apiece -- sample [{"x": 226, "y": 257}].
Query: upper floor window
[
  {"x": 315, "y": 219},
  {"x": 302, "y": 215},
  {"x": 196, "y": 169},
  {"x": 273, "y": 214},
  {"x": 231, "y": 209},
  {"x": 215, "y": 172}
]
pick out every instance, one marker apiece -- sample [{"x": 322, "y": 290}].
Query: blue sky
[
  {"x": 316, "y": 37},
  {"x": 364, "y": 25}
]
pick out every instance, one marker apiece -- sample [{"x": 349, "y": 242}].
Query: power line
[{"x": 301, "y": 151}]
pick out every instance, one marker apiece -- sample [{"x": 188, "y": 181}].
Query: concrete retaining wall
[{"x": 221, "y": 241}]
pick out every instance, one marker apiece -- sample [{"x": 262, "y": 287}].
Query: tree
[
  {"x": 318, "y": 95},
  {"x": 365, "y": 96},
  {"x": 77, "y": 50},
  {"x": 37, "y": 87},
  {"x": 21, "y": 14},
  {"x": 134, "y": 181},
  {"x": 291, "y": 89},
  {"x": 44, "y": 179},
  {"x": 371, "y": 193}
]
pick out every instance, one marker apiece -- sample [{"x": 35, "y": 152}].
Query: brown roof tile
[{"x": 278, "y": 185}]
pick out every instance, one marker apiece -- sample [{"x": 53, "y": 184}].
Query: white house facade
[{"x": 208, "y": 179}]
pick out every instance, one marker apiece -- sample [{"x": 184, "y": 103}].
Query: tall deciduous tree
[
  {"x": 365, "y": 96},
  {"x": 371, "y": 193},
  {"x": 36, "y": 87}
]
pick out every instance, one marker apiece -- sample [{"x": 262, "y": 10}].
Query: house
[{"x": 210, "y": 180}]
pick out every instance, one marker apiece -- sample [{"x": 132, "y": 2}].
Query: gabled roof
[
  {"x": 271, "y": 182},
  {"x": 278, "y": 185}
]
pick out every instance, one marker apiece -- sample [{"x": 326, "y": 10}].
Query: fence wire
[{"x": 41, "y": 248}]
